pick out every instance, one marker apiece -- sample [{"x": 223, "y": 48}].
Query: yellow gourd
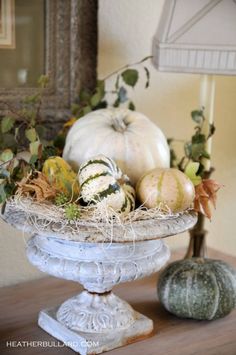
[{"x": 61, "y": 175}]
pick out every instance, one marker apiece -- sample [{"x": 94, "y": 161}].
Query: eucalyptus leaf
[
  {"x": 198, "y": 138},
  {"x": 131, "y": 106},
  {"x": 6, "y": 155},
  {"x": 122, "y": 94},
  {"x": 7, "y": 124},
  {"x": 130, "y": 77},
  {"x": 34, "y": 147},
  {"x": 97, "y": 97},
  {"x": 197, "y": 116},
  {"x": 87, "y": 109},
  {"x": 33, "y": 159},
  {"x": 191, "y": 171},
  {"x": 116, "y": 103},
  {"x": 31, "y": 134},
  {"x": 101, "y": 85},
  {"x": 212, "y": 129},
  {"x": 206, "y": 155},
  {"x": 198, "y": 150}
]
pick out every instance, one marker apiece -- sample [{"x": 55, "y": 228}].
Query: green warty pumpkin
[
  {"x": 101, "y": 179},
  {"x": 198, "y": 288}
]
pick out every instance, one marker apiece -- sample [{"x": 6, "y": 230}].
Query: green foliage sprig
[
  {"x": 124, "y": 77},
  {"x": 23, "y": 144},
  {"x": 195, "y": 148}
]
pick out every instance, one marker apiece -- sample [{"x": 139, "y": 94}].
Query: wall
[{"x": 126, "y": 29}]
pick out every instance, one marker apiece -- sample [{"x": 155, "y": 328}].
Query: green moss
[
  {"x": 61, "y": 199},
  {"x": 72, "y": 211}
]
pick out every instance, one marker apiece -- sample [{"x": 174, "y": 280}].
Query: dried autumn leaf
[
  {"x": 206, "y": 192},
  {"x": 37, "y": 187},
  {"x": 201, "y": 200},
  {"x": 211, "y": 187}
]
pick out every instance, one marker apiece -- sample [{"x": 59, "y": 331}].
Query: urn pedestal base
[
  {"x": 96, "y": 320},
  {"x": 99, "y": 256},
  {"x": 94, "y": 343}
]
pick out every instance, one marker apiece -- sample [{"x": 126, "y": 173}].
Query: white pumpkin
[
  {"x": 130, "y": 138},
  {"x": 101, "y": 180}
]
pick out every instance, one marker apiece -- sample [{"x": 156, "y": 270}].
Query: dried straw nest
[{"x": 96, "y": 224}]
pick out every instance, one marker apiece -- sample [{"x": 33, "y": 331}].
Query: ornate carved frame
[{"x": 70, "y": 57}]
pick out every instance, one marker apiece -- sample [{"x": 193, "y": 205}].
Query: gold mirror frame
[{"x": 70, "y": 57}]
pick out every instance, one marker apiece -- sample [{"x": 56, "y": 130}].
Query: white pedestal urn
[{"x": 96, "y": 320}]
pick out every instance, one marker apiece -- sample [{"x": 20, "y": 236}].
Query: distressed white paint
[
  {"x": 96, "y": 314},
  {"x": 98, "y": 263}
]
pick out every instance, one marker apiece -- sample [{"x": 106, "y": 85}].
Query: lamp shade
[{"x": 196, "y": 37}]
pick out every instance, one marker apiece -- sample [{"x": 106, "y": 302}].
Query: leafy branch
[
  {"x": 192, "y": 163},
  {"x": 195, "y": 148},
  {"x": 23, "y": 144},
  {"x": 124, "y": 77}
]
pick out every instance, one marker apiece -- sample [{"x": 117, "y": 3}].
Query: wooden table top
[{"x": 20, "y": 305}]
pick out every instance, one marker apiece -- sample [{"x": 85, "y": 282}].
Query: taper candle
[{"x": 207, "y": 100}]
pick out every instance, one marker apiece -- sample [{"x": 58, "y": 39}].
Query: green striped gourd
[
  {"x": 198, "y": 288},
  {"x": 61, "y": 175},
  {"x": 102, "y": 180},
  {"x": 166, "y": 188}
]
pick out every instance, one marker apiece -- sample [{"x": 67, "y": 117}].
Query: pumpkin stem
[
  {"x": 119, "y": 125},
  {"x": 197, "y": 245}
]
